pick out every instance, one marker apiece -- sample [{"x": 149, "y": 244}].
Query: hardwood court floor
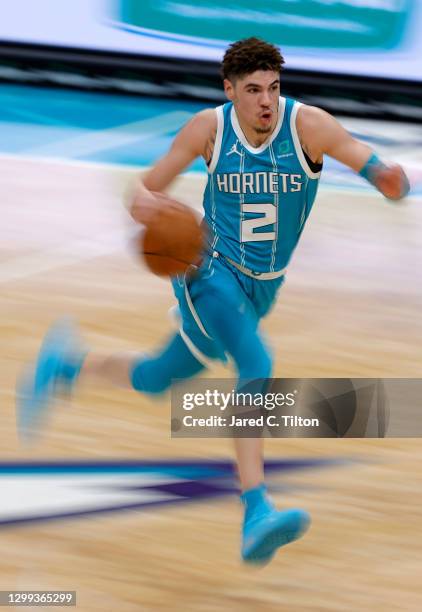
[{"x": 351, "y": 307}]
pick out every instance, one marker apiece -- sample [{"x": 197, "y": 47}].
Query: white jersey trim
[
  {"x": 298, "y": 146},
  {"x": 218, "y": 139},
  {"x": 242, "y": 138},
  {"x": 194, "y": 313},
  {"x": 199, "y": 355}
]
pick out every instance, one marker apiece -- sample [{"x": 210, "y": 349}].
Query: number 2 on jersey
[{"x": 269, "y": 212}]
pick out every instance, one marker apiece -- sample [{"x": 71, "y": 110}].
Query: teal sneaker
[
  {"x": 55, "y": 371},
  {"x": 266, "y": 529}
]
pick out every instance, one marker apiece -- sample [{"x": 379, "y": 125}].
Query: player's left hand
[{"x": 392, "y": 182}]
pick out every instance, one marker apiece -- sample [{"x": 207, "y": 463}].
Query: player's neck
[{"x": 254, "y": 138}]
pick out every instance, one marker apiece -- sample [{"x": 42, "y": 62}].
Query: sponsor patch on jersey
[{"x": 284, "y": 149}]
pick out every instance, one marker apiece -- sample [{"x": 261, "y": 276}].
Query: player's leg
[
  {"x": 148, "y": 373},
  {"x": 62, "y": 361},
  {"x": 250, "y": 461},
  {"x": 237, "y": 334},
  {"x": 264, "y": 528}
]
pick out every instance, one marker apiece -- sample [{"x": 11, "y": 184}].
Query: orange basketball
[{"x": 173, "y": 239}]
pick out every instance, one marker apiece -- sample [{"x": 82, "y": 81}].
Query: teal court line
[
  {"x": 91, "y": 142},
  {"x": 32, "y": 117},
  {"x": 74, "y": 125}
]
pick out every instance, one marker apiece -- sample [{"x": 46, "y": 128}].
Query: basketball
[{"x": 173, "y": 239}]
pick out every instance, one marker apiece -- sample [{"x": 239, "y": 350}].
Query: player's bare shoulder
[
  {"x": 205, "y": 122},
  {"x": 311, "y": 122},
  {"x": 198, "y": 135}
]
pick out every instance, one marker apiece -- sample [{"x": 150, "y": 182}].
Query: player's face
[{"x": 255, "y": 97}]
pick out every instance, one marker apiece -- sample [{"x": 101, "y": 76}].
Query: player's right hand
[
  {"x": 143, "y": 209},
  {"x": 141, "y": 203},
  {"x": 392, "y": 182}
]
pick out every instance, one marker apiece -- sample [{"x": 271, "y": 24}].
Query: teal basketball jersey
[{"x": 258, "y": 199}]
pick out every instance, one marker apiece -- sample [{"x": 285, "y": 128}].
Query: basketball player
[{"x": 264, "y": 154}]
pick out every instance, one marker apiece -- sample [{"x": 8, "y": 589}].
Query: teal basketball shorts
[{"x": 228, "y": 290}]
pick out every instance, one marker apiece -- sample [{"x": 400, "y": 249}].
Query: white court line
[
  {"x": 66, "y": 255},
  {"x": 84, "y": 163},
  {"x": 415, "y": 168},
  {"x": 102, "y": 140},
  {"x": 130, "y": 170}
]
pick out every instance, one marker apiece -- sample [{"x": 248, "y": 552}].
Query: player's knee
[
  {"x": 257, "y": 365},
  {"x": 266, "y": 365},
  {"x": 146, "y": 377},
  {"x": 154, "y": 374}
]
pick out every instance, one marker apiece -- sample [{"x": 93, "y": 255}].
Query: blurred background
[
  {"x": 92, "y": 92},
  {"x": 365, "y": 53}
]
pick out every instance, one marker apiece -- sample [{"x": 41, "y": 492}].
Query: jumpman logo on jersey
[{"x": 234, "y": 150}]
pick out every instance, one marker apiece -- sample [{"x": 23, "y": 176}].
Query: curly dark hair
[{"x": 245, "y": 56}]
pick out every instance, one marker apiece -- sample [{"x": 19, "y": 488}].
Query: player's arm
[
  {"x": 320, "y": 133},
  {"x": 193, "y": 141}
]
